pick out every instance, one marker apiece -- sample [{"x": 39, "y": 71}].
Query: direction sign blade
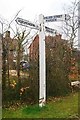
[
  {"x": 50, "y": 30},
  {"x": 26, "y": 23},
  {"x": 56, "y": 18},
  {"x": 52, "y": 18}
]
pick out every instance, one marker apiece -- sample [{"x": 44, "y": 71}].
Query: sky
[{"x": 30, "y": 9}]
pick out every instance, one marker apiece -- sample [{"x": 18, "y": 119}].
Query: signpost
[{"x": 42, "y": 60}]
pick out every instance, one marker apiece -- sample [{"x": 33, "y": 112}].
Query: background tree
[
  {"x": 20, "y": 38},
  {"x": 71, "y": 31},
  {"x": 5, "y": 25},
  {"x": 58, "y": 61},
  {"x": 3, "y": 53},
  {"x": 71, "y": 24}
]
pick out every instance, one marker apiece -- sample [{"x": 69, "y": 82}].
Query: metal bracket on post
[{"x": 42, "y": 63}]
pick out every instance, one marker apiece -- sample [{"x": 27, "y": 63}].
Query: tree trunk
[
  {"x": 8, "y": 67},
  {"x": 3, "y": 65},
  {"x": 18, "y": 67}
]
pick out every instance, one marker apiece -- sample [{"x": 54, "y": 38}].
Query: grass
[{"x": 62, "y": 107}]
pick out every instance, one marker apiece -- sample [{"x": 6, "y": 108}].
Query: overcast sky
[{"x": 31, "y": 8}]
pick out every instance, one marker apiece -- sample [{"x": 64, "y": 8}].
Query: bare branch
[{"x": 14, "y": 17}]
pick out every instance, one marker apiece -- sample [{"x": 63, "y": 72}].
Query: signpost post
[{"x": 42, "y": 63}]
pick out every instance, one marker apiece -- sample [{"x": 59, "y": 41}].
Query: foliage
[
  {"x": 13, "y": 93},
  {"x": 34, "y": 81},
  {"x": 57, "y": 69},
  {"x": 58, "y": 62}
]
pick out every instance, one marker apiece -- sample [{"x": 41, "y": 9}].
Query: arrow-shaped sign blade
[
  {"x": 56, "y": 18},
  {"x": 26, "y": 23},
  {"x": 50, "y": 30}
]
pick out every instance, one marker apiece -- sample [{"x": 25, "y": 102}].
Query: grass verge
[{"x": 62, "y": 107}]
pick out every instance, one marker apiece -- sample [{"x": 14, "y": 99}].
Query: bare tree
[
  {"x": 71, "y": 30},
  {"x": 20, "y": 38},
  {"x": 70, "y": 27},
  {"x": 5, "y": 48},
  {"x": 3, "y": 55}
]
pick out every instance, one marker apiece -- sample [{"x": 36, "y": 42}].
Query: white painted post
[{"x": 42, "y": 63}]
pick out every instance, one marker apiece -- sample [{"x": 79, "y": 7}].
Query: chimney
[
  {"x": 59, "y": 36},
  {"x": 7, "y": 34}
]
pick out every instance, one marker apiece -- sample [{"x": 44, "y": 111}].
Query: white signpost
[{"x": 42, "y": 60}]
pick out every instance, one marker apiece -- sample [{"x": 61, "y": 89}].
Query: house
[
  {"x": 56, "y": 44},
  {"x": 34, "y": 46}
]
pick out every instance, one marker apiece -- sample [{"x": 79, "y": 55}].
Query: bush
[
  {"x": 34, "y": 81},
  {"x": 57, "y": 82},
  {"x": 57, "y": 70}
]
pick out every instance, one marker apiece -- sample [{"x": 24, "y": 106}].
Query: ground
[{"x": 56, "y": 107}]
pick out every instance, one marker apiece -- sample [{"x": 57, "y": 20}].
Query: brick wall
[{"x": 34, "y": 47}]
